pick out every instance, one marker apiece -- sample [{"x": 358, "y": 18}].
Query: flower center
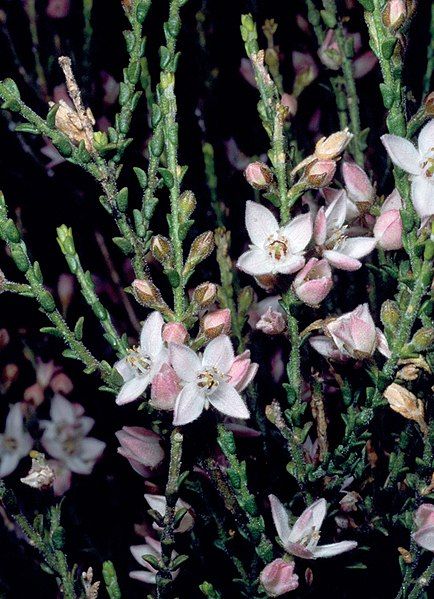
[
  {"x": 209, "y": 380},
  {"x": 10, "y": 444},
  {"x": 427, "y": 167},
  {"x": 278, "y": 247},
  {"x": 138, "y": 361},
  {"x": 69, "y": 445},
  {"x": 336, "y": 239},
  {"x": 310, "y": 538}
]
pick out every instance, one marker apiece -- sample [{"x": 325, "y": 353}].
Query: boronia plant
[{"x": 281, "y": 409}]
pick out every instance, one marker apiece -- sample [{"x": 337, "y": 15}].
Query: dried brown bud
[
  {"x": 161, "y": 249},
  {"x": 407, "y": 404},
  {"x": 406, "y": 555},
  {"x": 216, "y": 323},
  {"x": 258, "y": 175},
  {"x": 205, "y": 294},
  {"x": 200, "y": 249},
  {"x": 68, "y": 122},
  {"x": 394, "y": 14},
  {"x": 41, "y": 475}
]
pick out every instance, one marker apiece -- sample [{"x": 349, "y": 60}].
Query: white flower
[
  {"x": 419, "y": 163},
  {"x": 274, "y": 249},
  {"x": 15, "y": 442},
  {"x": 302, "y": 539},
  {"x": 331, "y": 237},
  {"x": 142, "y": 363},
  {"x": 65, "y": 437},
  {"x": 159, "y": 502},
  {"x": 205, "y": 381}
]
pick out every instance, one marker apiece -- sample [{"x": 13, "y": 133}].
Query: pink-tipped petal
[{"x": 402, "y": 153}]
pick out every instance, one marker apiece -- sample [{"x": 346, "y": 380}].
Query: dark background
[{"x": 100, "y": 510}]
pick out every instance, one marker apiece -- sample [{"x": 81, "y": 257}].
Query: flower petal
[
  {"x": 156, "y": 502},
  {"x": 311, "y": 518},
  {"x": 340, "y": 260},
  {"x": 185, "y": 362},
  {"x": 402, "y": 153},
  {"x": 336, "y": 213},
  {"x": 333, "y": 549},
  {"x": 382, "y": 345},
  {"x": 143, "y": 576},
  {"x": 256, "y": 262},
  {"x": 189, "y": 405},
  {"x": 290, "y": 264},
  {"x": 14, "y": 422},
  {"x": 320, "y": 227},
  {"x": 422, "y": 195},
  {"x": 227, "y": 400},
  {"x": 132, "y": 389},
  {"x": 260, "y": 223},
  {"x": 425, "y": 537},
  {"x": 425, "y": 140},
  {"x": 299, "y": 232},
  {"x": 151, "y": 342},
  {"x": 219, "y": 354},
  {"x": 9, "y": 461},
  {"x": 358, "y": 247},
  {"x": 280, "y": 519},
  {"x": 62, "y": 410}
]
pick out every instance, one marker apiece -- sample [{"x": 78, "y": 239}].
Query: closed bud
[
  {"x": 145, "y": 292},
  {"x": 429, "y": 104},
  {"x": 205, "y": 294},
  {"x": 174, "y": 332},
  {"x": 161, "y": 249},
  {"x": 216, "y": 323},
  {"x": 201, "y": 248},
  {"x": 394, "y": 14},
  {"x": 320, "y": 174},
  {"x": 329, "y": 148},
  {"x": 187, "y": 203},
  {"x": 258, "y": 175},
  {"x": 390, "y": 314},
  {"x": 423, "y": 339}
]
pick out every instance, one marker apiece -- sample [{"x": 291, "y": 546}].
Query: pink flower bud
[
  {"x": 258, "y": 175},
  {"x": 388, "y": 230},
  {"x": 394, "y": 14},
  {"x": 278, "y": 578},
  {"x": 175, "y": 332},
  {"x": 363, "y": 64},
  {"x": 165, "y": 388},
  {"x": 329, "y": 53},
  {"x": 357, "y": 183},
  {"x": 34, "y": 395},
  {"x": 141, "y": 447},
  {"x": 290, "y": 102},
  {"x": 61, "y": 383},
  {"x": 216, "y": 323},
  {"x": 313, "y": 282},
  {"x": 242, "y": 371},
  {"x": 65, "y": 290},
  {"x": 58, "y": 9},
  {"x": 271, "y": 323},
  {"x": 320, "y": 173}
]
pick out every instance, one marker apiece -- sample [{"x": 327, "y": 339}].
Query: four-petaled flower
[
  {"x": 332, "y": 240},
  {"x": 142, "y": 363},
  {"x": 206, "y": 381},
  {"x": 302, "y": 539},
  {"x": 424, "y": 520},
  {"x": 274, "y": 249},
  {"x": 419, "y": 163}
]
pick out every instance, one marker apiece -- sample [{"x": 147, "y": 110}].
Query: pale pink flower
[
  {"x": 65, "y": 436},
  {"x": 424, "y": 520},
  {"x": 58, "y": 9},
  {"x": 306, "y": 71},
  {"x": 363, "y": 64},
  {"x": 313, "y": 283},
  {"x": 141, "y": 364},
  {"x": 15, "y": 441},
  {"x": 302, "y": 539},
  {"x": 110, "y": 87},
  {"x": 246, "y": 70},
  {"x": 148, "y": 574},
  {"x": 329, "y": 53},
  {"x": 205, "y": 378},
  {"x": 258, "y": 309},
  {"x": 65, "y": 290},
  {"x": 271, "y": 323},
  {"x": 278, "y": 578},
  {"x": 141, "y": 447},
  {"x": 274, "y": 249},
  {"x": 311, "y": 450},
  {"x": 175, "y": 332},
  {"x": 388, "y": 228},
  {"x": 158, "y": 503},
  {"x": 62, "y": 477},
  {"x": 419, "y": 163},
  {"x": 242, "y": 372},
  {"x": 165, "y": 388},
  {"x": 290, "y": 102},
  {"x": 48, "y": 375},
  {"x": 352, "y": 335},
  {"x": 331, "y": 237}
]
